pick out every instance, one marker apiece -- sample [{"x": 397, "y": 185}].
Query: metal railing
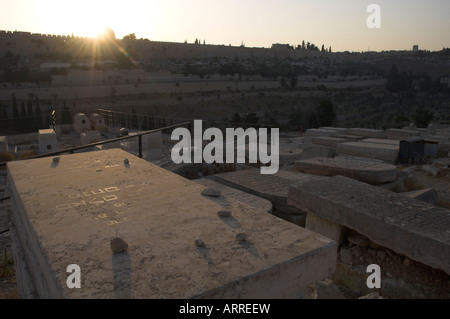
[{"x": 71, "y": 150}]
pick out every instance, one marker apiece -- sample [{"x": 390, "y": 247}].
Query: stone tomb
[
  {"x": 362, "y": 169},
  {"x": 385, "y": 152},
  {"x": 249, "y": 199},
  {"x": 47, "y": 141},
  {"x": 271, "y": 187},
  {"x": 414, "y": 228},
  {"x": 68, "y": 211}
]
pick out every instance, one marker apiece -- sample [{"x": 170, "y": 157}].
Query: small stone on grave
[
  {"x": 118, "y": 245},
  {"x": 211, "y": 192}
]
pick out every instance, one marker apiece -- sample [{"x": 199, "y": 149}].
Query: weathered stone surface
[
  {"x": 381, "y": 141},
  {"x": 314, "y": 151},
  {"x": 340, "y": 130},
  {"x": 328, "y": 141},
  {"x": 367, "y": 132},
  {"x": 241, "y": 196},
  {"x": 68, "y": 214},
  {"x": 271, "y": 187},
  {"x": 349, "y": 137},
  {"x": 398, "y": 134},
  {"x": 360, "y": 169},
  {"x": 314, "y": 132},
  {"x": 430, "y": 169},
  {"x": 428, "y": 195},
  {"x": 325, "y": 227},
  {"x": 410, "y": 227},
  {"x": 388, "y": 153},
  {"x": 324, "y": 289}
]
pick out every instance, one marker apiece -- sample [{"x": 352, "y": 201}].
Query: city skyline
[{"x": 340, "y": 25}]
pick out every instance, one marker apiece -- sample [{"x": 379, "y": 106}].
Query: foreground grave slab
[
  {"x": 410, "y": 227},
  {"x": 249, "y": 199},
  {"x": 175, "y": 242}
]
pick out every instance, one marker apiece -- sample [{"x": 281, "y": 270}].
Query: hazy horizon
[{"x": 340, "y": 25}]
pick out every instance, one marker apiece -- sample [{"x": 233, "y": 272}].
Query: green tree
[
  {"x": 236, "y": 118},
  {"x": 293, "y": 82},
  {"x": 251, "y": 118},
  {"x": 16, "y": 115},
  {"x": 30, "y": 123},
  {"x": 4, "y": 117},
  {"x": 66, "y": 116},
  {"x": 134, "y": 119},
  {"x": 23, "y": 117},
  {"x": 131, "y": 36},
  {"x": 325, "y": 113},
  {"x": 422, "y": 118},
  {"x": 38, "y": 114}
]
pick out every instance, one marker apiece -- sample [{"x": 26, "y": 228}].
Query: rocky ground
[{"x": 8, "y": 289}]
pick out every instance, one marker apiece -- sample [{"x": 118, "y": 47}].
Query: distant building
[
  {"x": 278, "y": 46},
  {"x": 415, "y": 48},
  {"x": 55, "y": 65}
]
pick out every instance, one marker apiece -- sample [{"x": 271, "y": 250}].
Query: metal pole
[{"x": 140, "y": 146}]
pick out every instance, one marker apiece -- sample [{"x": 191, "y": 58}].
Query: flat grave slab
[
  {"x": 328, "y": 140},
  {"x": 274, "y": 187},
  {"x": 381, "y": 141},
  {"x": 408, "y": 226},
  {"x": 179, "y": 246},
  {"x": 398, "y": 134},
  {"x": 249, "y": 199},
  {"x": 385, "y": 152},
  {"x": 359, "y": 169},
  {"x": 373, "y": 133}
]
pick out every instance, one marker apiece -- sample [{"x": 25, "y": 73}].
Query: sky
[{"x": 339, "y": 24}]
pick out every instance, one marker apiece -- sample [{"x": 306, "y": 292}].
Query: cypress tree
[
  {"x": 16, "y": 115},
  {"x": 38, "y": 114},
  {"x": 29, "y": 121},
  {"x": 23, "y": 117}
]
